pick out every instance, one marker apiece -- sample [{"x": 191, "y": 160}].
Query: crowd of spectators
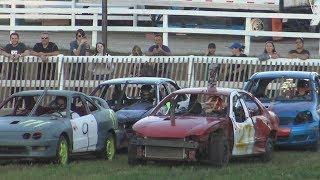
[{"x": 81, "y": 47}]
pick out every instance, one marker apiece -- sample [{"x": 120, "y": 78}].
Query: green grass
[{"x": 285, "y": 165}]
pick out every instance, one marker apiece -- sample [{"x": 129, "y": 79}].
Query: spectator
[
  {"x": 211, "y": 51},
  {"x": 136, "y": 51},
  {"x": 80, "y": 46},
  {"x": 158, "y": 49},
  {"x": 269, "y": 52},
  {"x": 43, "y": 50},
  {"x": 100, "y": 71},
  {"x": 237, "y": 50},
  {"x": 146, "y": 68},
  {"x": 237, "y": 69},
  {"x": 299, "y": 52},
  {"x": 15, "y": 49}
]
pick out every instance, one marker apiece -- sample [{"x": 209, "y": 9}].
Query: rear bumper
[
  {"x": 298, "y": 135},
  {"x": 163, "y": 149},
  {"x": 29, "y": 149}
]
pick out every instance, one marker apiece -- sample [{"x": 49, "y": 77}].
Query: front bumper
[
  {"x": 165, "y": 149},
  {"x": 28, "y": 149},
  {"x": 299, "y": 135}
]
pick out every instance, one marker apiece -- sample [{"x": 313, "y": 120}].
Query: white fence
[
  {"x": 82, "y": 74},
  {"x": 94, "y": 14}
]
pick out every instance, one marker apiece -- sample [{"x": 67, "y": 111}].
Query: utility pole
[{"x": 104, "y": 22}]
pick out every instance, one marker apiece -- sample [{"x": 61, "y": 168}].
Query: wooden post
[{"x": 104, "y": 22}]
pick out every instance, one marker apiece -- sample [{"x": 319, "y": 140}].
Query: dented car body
[{"x": 204, "y": 124}]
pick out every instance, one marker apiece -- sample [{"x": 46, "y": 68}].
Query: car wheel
[
  {"x": 267, "y": 156},
  {"x": 109, "y": 150},
  {"x": 219, "y": 154},
  {"x": 62, "y": 154}
]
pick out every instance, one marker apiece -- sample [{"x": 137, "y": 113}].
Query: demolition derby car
[
  {"x": 211, "y": 125},
  {"x": 54, "y": 125},
  {"x": 133, "y": 99},
  {"x": 294, "y": 97}
]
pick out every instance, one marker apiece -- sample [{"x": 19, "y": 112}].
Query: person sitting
[
  {"x": 118, "y": 97},
  {"x": 61, "y": 107},
  {"x": 214, "y": 106},
  {"x": 303, "y": 90},
  {"x": 146, "y": 94},
  {"x": 194, "y": 106}
]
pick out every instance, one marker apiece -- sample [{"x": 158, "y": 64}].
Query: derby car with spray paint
[
  {"x": 133, "y": 99},
  {"x": 54, "y": 125},
  {"x": 215, "y": 125},
  {"x": 294, "y": 97}
]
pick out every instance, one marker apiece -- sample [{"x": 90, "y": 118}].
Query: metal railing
[
  {"x": 86, "y": 72},
  {"x": 94, "y": 14}
]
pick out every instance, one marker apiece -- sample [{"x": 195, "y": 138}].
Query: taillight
[
  {"x": 36, "y": 135},
  {"x": 304, "y": 116}
]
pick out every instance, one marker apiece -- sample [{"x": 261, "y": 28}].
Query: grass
[{"x": 285, "y": 165}]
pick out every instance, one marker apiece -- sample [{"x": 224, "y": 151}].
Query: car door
[
  {"x": 260, "y": 121},
  {"x": 93, "y": 124},
  {"x": 82, "y": 125},
  {"x": 243, "y": 127}
]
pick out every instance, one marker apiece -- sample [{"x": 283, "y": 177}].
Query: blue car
[{"x": 294, "y": 97}]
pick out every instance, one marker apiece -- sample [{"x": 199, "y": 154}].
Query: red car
[{"x": 204, "y": 124}]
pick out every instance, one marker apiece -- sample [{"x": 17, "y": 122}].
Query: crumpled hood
[
  {"x": 24, "y": 124},
  {"x": 134, "y": 112},
  {"x": 162, "y": 127},
  {"x": 287, "y": 111}
]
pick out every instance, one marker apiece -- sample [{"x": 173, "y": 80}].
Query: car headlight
[
  {"x": 304, "y": 116},
  {"x": 36, "y": 135}
]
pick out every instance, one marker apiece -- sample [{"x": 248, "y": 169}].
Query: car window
[
  {"x": 78, "y": 106},
  {"x": 171, "y": 87},
  {"x": 163, "y": 91},
  {"x": 92, "y": 107},
  {"x": 251, "y": 104},
  {"x": 195, "y": 105},
  {"x": 18, "y": 106},
  {"x": 238, "y": 109},
  {"x": 281, "y": 89}
]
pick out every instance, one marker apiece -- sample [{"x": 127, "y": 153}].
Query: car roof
[
  {"x": 138, "y": 80},
  {"x": 65, "y": 93},
  {"x": 206, "y": 90},
  {"x": 277, "y": 74}
]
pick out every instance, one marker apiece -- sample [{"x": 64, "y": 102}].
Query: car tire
[
  {"x": 267, "y": 155},
  {"x": 132, "y": 155},
  {"x": 219, "y": 153},
  {"x": 109, "y": 149},
  {"x": 62, "y": 152}
]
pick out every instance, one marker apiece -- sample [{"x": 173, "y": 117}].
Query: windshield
[
  {"x": 23, "y": 106},
  {"x": 119, "y": 96},
  {"x": 18, "y": 106},
  {"x": 194, "y": 105},
  {"x": 281, "y": 89}
]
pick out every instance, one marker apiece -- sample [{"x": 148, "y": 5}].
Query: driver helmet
[{"x": 61, "y": 102}]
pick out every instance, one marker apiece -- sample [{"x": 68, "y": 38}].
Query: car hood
[
  {"x": 133, "y": 113},
  {"x": 22, "y": 124},
  {"x": 181, "y": 127},
  {"x": 287, "y": 111}
]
